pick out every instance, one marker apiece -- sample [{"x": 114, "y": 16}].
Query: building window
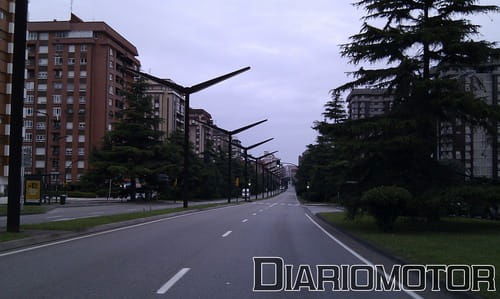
[
  {"x": 110, "y": 52},
  {"x": 111, "y": 90},
  {"x": 58, "y": 85},
  {"x": 69, "y": 100},
  {"x": 82, "y": 99},
  {"x": 56, "y": 111},
  {"x": 110, "y": 102},
  {"x": 58, "y": 74},
  {"x": 111, "y": 64},
  {"x": 81, "y": 125},
  {"x": 43, "y": 49},
  {"x": 29, "y": 99},
  {"x": 69, "y": 138},
  {"x": 29, "y": 111},
  {"x": 43, "y": 61},
  {"x": 69, "y": 152},
  {"x": 43, "y": 36},
  {"x": 28, "y": 137},
  {"x": 58, "y": 60},
  {"x": 30, "y": 85},
  {"x": 59, "y": 47},
  {"x": 71, "y": 74},
  {"x": 61, "y": 34},
  {"x": 70, "y": 87},
  {"x": 71, "y": 61},
  {"x": 83, "y": 87},
  {"x": 32, "y": 35},
  {"x": 81, "y": 164},
  {"x": 40, "y": 138},
  {"x": 69, "y": 126},
  {"x": 110, "y": 77},
  {"x": 40, "y": 125},
  {"x": 57, "y": 99},
  {"x": 28, "y": 124},
  {"x": 81, "y": 138},
  {"x": 42, "y": 75},
  {"x": 81, "y": 151},
  {"x": 83, "y": 48},
  {"x": 83, "y": 74},
  {"x": 83, "y": 60},
  {"x": 42, "y": 100},
  {"x": 42, "y": 87},
  {"x": 40, "y": 151},
  {"x": 71, "y": 48},
  {"x": 40, "y": 164}
]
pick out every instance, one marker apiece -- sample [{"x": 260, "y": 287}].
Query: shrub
[{"x": 386, "y": 204}]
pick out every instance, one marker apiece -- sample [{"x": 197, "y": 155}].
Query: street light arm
[
  {"x": 267, "y": 155},
  {"x": 247, "y": 127},
  {"x": 258, "y": 144},
  {"x": 172, "y": 85},
  {"x": 206, "y": 84},
  {"x": 213, "y": 127}
]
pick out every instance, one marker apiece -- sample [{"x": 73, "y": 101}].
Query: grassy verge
[
  {"x": 4, "y": 237},
  {"x": 451, "y": 241},
  {"x": 25, "y": 210},
  {"x": 86, "y": 223}
]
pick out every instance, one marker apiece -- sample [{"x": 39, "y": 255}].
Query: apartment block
[
  {"x": 168, "y": 105},
  {"x": 364, "y": 103},
  {"x": 6, "y": 51},
  {"x": 200, "y": 134},
  {"x": 76, "y": 72}
]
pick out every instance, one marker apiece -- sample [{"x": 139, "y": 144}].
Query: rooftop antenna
[{"x": 71, "y": 6}]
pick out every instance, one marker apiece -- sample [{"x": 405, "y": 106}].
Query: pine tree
[
  {"x": 132, "y": 151},
  {"x": 419, "y": 43}
]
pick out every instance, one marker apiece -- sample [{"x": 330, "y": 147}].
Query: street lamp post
[
  {"x": 257, "y": 160},
  {"x": 187, "y": 91},
  {"x": 230, "y": 143},
  {"x": 16, "y": 119},
  {"x": 245, "y": 150}
]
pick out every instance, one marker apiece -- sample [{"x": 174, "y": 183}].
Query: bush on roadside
[
  {"x": 81, "y": 194},
  {"x": 386, "y": 204}
]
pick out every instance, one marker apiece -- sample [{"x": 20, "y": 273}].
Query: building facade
[
  {"x": 200, "y": 135},
  {"x": 168, "y": 105},
  {"x": 6, "y": 51},
  {"x": 76, "y": 72},
  {"x": 364, "y": 103}
]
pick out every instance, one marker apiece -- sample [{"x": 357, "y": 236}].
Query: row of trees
[
  {"x": 420, "y": 46},
  {"x": 136, "y": 151}
]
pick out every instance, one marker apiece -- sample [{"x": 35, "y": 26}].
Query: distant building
[
  {"x": 237, "y": 151},
  {"x": 76, "y": 72},
  {"x": 364, "y": 103},
  {"x": 168, "y": 105},
  {"x": 473, "y": 147},
  {"x": 200, "y": 134},
  {"x": 6, "y": 51}
]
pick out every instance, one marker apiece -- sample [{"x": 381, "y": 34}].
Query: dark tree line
[{"x": 420, "y": 46}]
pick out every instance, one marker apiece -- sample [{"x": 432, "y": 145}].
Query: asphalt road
[{"x": 203, "y": 255}]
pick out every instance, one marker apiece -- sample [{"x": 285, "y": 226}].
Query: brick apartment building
[
  {"x": 6, "y": 51},
  {"x": 75, "y": 75},
  {"x": 363, "y": 103},
  {"x": 168, "y": 105}
]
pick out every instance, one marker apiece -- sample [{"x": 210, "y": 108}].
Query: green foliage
[{"x": 386, "y": 204}]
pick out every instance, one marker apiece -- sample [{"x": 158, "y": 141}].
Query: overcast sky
[{"x": 291, "y": 45}]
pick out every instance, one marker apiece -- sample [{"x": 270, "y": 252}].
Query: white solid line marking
[
  {"x": 108, "y": 232},
  {"x": 255, "y": 214},
  {"x": 273, "y": 205},
  {"x": 244, "y": 220},
  {"x": 227, "y": 233},
  {"x": 410, "y": 293},
  {"x": 172, "y": 281}
]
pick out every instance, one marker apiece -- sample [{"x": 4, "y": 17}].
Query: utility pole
[{"x": 16, "y": 119}]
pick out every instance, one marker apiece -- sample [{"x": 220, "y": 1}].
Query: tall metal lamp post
[
  {"x": 245, "y": 150},
  {"x": 257, "y": 160},
  {"x": 187, "y": 91},
  {"x": 230, "y": 144}
]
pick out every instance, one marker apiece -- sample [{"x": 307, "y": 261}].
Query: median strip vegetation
[
  {"x": 452, "y": 240},
  {"x": 26, "y": 210},
  {"x": 86, "y": 223}
]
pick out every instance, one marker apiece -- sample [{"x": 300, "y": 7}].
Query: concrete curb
[{"x": 51, "y": 236}]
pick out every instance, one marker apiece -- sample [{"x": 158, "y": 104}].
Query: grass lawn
[
  {"x": 451, "y": 241},
  {"x": 85, "y": 223},
  {"x": 25, "y": 210},
  {"x": 4, "y": 237}
]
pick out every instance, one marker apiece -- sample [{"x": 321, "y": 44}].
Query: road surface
[{"x": 207, "y": 254}]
